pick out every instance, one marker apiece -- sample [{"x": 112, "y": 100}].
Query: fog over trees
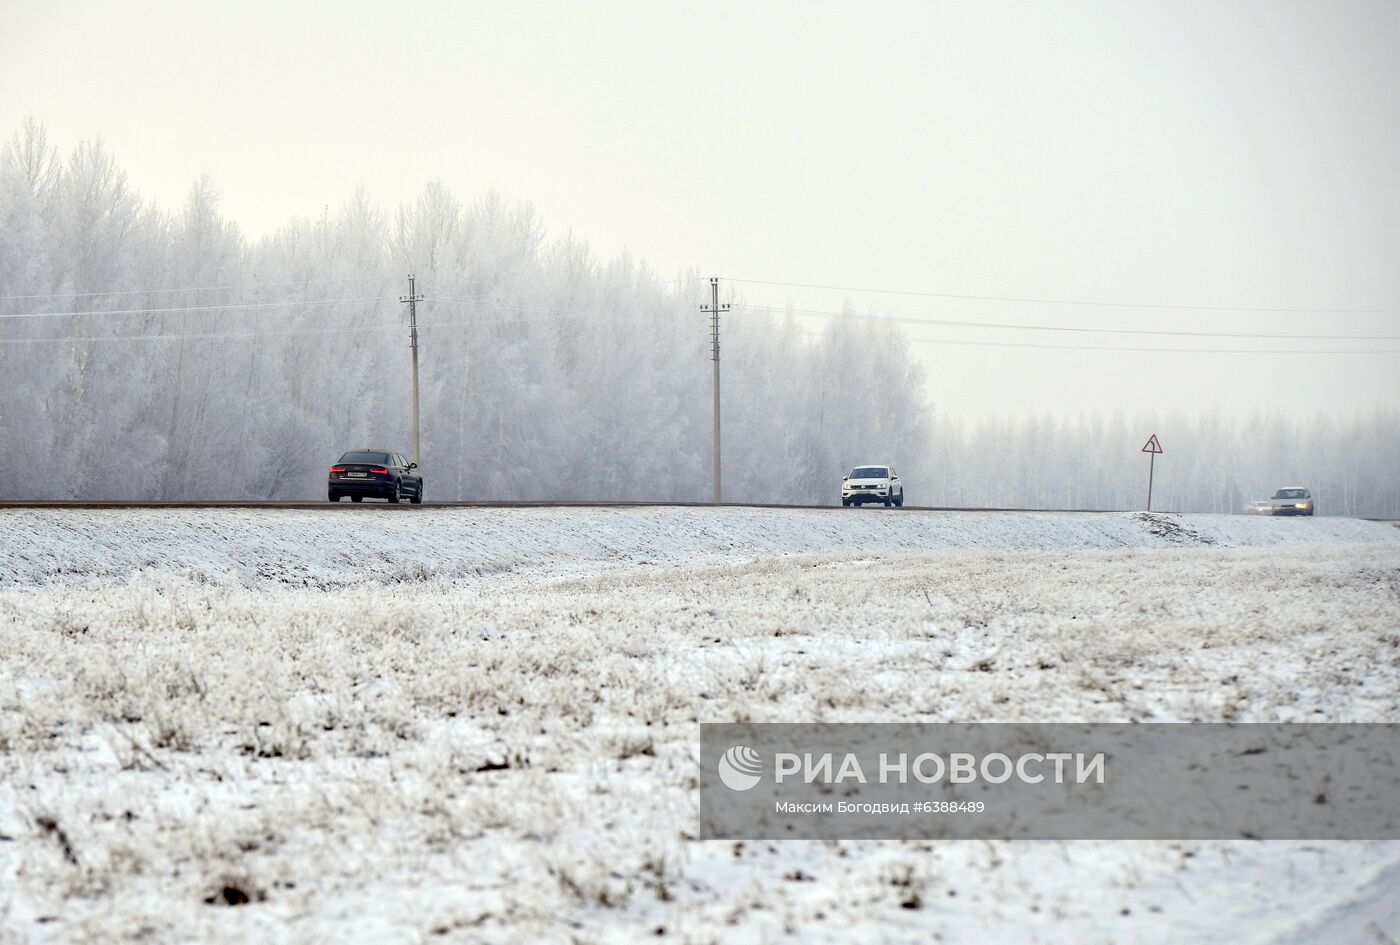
[
  {"x": 1212, "y": 463},
  {"x": 221, "y": 367}
]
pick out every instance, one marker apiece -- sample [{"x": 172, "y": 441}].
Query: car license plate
[{"x": 360, "y": 475}]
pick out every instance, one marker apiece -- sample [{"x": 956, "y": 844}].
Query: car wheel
[
  {"x": 418, "y": 494},
  {"x": 899, "y": 503},
  {"x": 334, "y": 496},
  {"x": 846, "y": 503},
  {"x": 394, "y": 496},
  {"x": 889, "y": 501},
  {"x": 357, "y": 498}
]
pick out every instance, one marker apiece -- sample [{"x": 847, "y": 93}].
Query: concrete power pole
[
  {"x": 714, "y": 309},
  {"x": 413, "y": 299}
]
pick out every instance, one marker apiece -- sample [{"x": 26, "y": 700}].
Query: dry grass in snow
[{"x": 513, "y": 758}]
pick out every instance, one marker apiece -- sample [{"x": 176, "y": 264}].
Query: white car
[
  {"x": 1290, "y": 500},
  {"x": 874, "y": 483}
]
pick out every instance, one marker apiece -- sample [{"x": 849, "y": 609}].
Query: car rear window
[
  {"x": 364, "y": 456},
  {"x": 870, "y": 472}
]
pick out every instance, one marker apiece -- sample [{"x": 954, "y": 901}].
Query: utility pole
[
  {"x": 714, "y": 309},
  {"x": 413, "y": 299}
]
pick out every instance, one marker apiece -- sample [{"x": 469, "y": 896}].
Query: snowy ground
[{"x": 481, "y": 725}]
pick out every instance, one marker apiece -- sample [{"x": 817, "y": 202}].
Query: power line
[
  {"x": 523, "y": 320},
  {"x": 1095, "y": 304},
  {"x": 234, "y": 306},
  {"x": 245, "y": 285},
  {"x": 554, "y": 315},
  {"x": 252, "y": 333},
  {"x": 487, "y": 303},
  {"x": 520, "y": 306},
  {"x": 1028, "y": 344},
  {"x": 919, "y": 320},
  {"x": 804, "y": 285},
  {"x": 813, "y": 334},
  {"x": 260, "y": 285},
  {"x": 1032, "y": 344},
  {"x": 817, "y": 313},
  {"x": 204, "y": 288},
  {"x": 172, "y": 336}
]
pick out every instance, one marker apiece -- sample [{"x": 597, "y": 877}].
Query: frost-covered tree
[{"x": 225, "y": 368}]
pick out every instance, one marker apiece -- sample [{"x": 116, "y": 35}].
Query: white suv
[{"x": 872, "y": 484}]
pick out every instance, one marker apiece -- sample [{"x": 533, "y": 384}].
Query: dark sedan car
[{"x": 375, "y": 473}]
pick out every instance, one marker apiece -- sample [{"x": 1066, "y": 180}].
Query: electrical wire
[
  {"x": 917, "y": 320},
  {"x": 257, "y": 333},
  {"x": 203, "y": 288},
  {"x": 237, "y": 306},
  {"x": 1031, "y": 344},
  {"x": 547, "y": 314},
  {"x": 1130, "y": 350},
  {"x": 173, "y": 336},
  {"x": 514, "y": 321},
  {"x": 1087, "y": 303},
  {"x": 514, "y": 305}
]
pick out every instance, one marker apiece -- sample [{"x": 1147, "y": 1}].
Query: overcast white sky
[{"x": 1241, "y": 154}]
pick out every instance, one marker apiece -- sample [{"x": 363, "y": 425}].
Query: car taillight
[
  {"x": 335, "y": 469},
  {"x": 382, "y": 472}
]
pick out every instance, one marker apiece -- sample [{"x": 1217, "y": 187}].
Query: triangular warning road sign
[{"x": 1152, "y": 446}]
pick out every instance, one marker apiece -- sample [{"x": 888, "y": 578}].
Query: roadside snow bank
[{"x": 338, "y": 547}]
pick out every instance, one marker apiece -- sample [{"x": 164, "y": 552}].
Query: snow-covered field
[{"x": 481, "y": 725}]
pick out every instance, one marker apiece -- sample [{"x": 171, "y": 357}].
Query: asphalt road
[{"x": 483, "y": 504}]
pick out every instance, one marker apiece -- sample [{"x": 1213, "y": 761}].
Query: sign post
[{"x": 1152, "y": 448}]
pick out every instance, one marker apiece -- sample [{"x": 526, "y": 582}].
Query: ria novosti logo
[{"x": 740, "y": 768}]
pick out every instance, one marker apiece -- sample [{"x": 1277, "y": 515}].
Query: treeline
[
  {"x": 218, "y": 367},
  {"x": 1211, "y": 464}
]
